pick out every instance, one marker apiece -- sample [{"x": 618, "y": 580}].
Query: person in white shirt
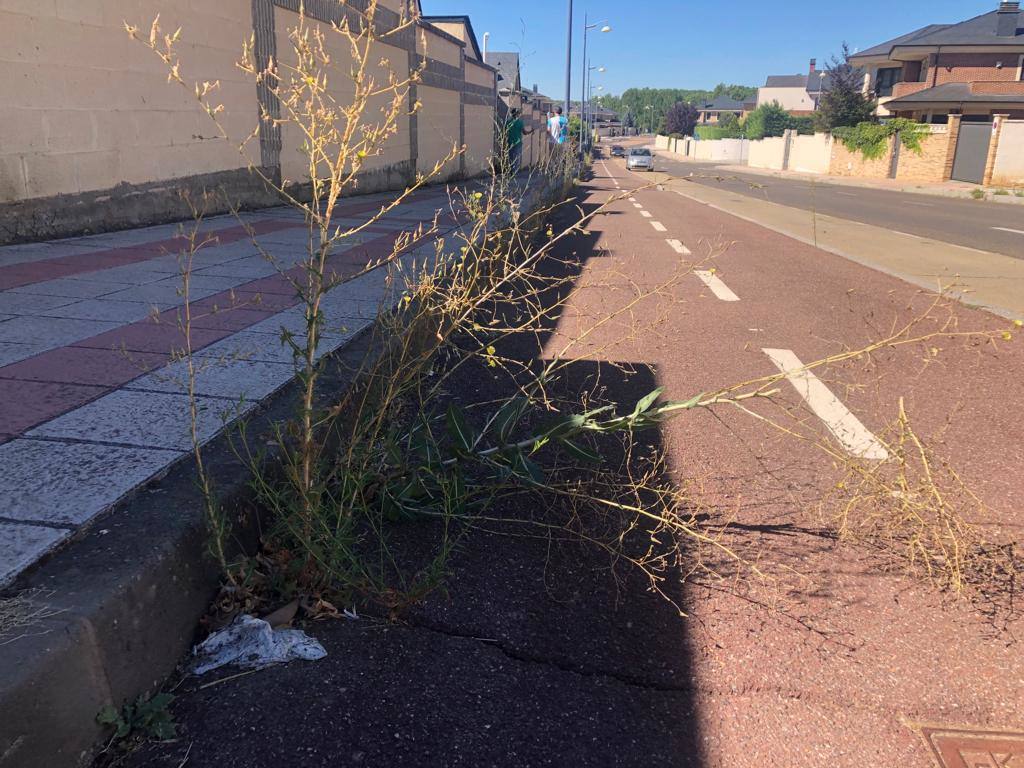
[{"x": 558, "y": 127}]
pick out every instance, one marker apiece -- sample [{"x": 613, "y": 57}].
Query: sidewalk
[{"x": 90, "y": 405}]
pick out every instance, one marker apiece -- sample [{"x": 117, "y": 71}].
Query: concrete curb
[{"x": 126, "y": 597}]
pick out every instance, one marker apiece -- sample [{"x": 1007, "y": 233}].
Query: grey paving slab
[
  {"x": 6, "y": 317},
  {"x": 129, "y": 274},
  {"x": 267, "y": 347},
  {"x": 51, "y": 332},
  {"x": 102, "y": 309},
  {"x": 247, "y": 271},
  {"x": 11, "y": 352},
  {"x": 145, "y": 419},
  {"x": 162, "y": 294},
  {"x": 86, "y": 287},
  {"x": 70, "y": 483},
  {"x": 237, "y": 379},
  {"x": 34, "y": 252},
  {"x": 20, "y": 303},
  {"x": 21, "y": 545},
  {"x": 336, "y": 325}
]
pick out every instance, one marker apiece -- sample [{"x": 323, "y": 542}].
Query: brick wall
[
  {"x": 845, "y": 162},
  {"x": 928, "y": 166},
  {"x": 968, "y": 67}
]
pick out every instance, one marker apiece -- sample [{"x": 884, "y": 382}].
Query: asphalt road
[{"x": 969, "y": 223}]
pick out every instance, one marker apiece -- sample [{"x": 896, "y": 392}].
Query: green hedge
[{"x": 712, "y": 132}]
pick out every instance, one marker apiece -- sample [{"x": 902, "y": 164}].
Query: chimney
[
  {"x": 1006, "y": 18},
  {"x": 814, "y": 65}
]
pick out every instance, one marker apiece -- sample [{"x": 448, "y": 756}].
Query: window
[{"x": 886, "y": 79}]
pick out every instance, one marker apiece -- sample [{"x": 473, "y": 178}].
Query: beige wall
[
  {"x": 385, "y": 58},
  {"x": 479, "y": 138},
  {"x": 89, "y": 112},
  {"x": 810, "y": 154},
  {"x": 791, "y": 99},
  {"x": 1009, "y": 165},
  {"x": 767, "y": 153},
  {"x": 438, "y": 121},
  {"x": 86, "y": 108}
]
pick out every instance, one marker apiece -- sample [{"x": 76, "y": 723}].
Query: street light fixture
[{"x": 586, "y": 71}]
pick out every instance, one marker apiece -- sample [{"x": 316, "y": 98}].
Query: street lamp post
[
  {"x": 568, "y": 64},
  {"x": 586, "y": 109},
  {"x": 583, "y": 85}
]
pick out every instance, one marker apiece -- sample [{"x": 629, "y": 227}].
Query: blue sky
[{"x": 694, "y": 43}]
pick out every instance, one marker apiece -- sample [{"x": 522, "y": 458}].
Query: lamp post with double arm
[{"x": 586, "y": 64}]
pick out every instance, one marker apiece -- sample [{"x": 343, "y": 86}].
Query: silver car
[{"x": 640, "y": 158}]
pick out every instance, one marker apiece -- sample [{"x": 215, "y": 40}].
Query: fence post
[
  {"x": 787, "y": 142},
  {"x": 953, "y": 137},
  {"x": 894, "y": 157}
]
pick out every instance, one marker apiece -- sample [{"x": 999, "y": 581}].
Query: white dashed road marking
[
  {"x": 645, "y": 214},
  {"x": 712, "y": 281},
  {"x": 923, "y": 205},
  {"x": 678, "y": 247},
  {"x": 638, "y": 205},
  {"x": 658, "y": 226},
  {"x": 1007, "y": 229},
  {"x": 854, "y": 436},
  {"x": 632, "y": 199}
]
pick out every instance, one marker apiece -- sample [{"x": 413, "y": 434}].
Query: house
[
  {"x": 974, "y": 68},
  {"x": 710, "y": 112},
  {"x": 797, "y": 94},
  {"x": 460, "y": 28}
]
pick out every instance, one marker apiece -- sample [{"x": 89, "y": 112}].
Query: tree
[
  {"x": 681, "y": 118},
  {"x": 767, "y": 120},
  {"x": 738, "y": 92},
  {"x": 729, "y": 125},
  {"x": 844, "y": 103}
]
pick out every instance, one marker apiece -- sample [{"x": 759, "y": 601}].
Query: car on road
[
  {"x": 618, "y": 150},
  {"x": 640, "y": 158}
]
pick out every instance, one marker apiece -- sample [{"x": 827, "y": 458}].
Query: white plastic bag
[{"x": 252, "y": 643}]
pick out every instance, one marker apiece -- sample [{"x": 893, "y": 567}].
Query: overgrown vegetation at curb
[{"x": 402, "y": 446}]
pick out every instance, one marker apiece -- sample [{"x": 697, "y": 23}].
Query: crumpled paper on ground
[{"x": 252, "y": 643}]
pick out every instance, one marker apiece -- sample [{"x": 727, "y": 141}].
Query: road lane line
[
  {"x": 1007, "y": 229},
  {"x": 923, "y": 205},
  {"x": 645, "y": 214},
  {"x": 632, "y": 199},
  {"x": 638, "y": 205},
  {"x": 846, "y": 194},
  {"x": 712, "y": 281},
  {"x": 678, "y": 247},
  {"x": 854, "y": 436},
  {"x": 658, "y": 226}
]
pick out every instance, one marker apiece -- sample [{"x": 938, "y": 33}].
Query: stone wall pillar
[
  {"x": 952, "y": 136},
  {"x": 993, "y": 147}
]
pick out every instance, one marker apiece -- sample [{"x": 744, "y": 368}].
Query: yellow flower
[
  {"x": 1007, "y": 335},
  {"x": 491, "y": 350},
  {"x": 1018, "y": 323}
]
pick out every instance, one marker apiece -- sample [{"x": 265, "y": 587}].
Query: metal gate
[{"x": 972, "y": 152}]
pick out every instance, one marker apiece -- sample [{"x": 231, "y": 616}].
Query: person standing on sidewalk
[
  {"x": 515, "y": 129},
  {"x": 558, "y": 127}
]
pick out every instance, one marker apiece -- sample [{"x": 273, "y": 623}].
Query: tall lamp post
[
  {"x": 568, "y": 64},
  {"x": 583, "y": 86},
  {"x": 585, "y": 106}
]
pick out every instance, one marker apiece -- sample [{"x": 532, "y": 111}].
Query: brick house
[
  {"x": 710, "y": 112},
  {"x": 974, "y": 69}
]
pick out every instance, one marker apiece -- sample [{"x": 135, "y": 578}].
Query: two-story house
[
  {"x": 797, "y": 94},
  {"x": 974, "y": 68}
]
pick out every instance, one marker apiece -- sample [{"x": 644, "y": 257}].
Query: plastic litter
[{"x": 252, "y": 643}]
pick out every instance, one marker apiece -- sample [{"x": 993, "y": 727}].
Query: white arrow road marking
[
  {"x": 658, "y": 226},
  {"x": 854, "y": 436},
  {"x": 678, "y": 247},
  {"x": 1007, "y": 229},
  {"x": 712, "y": 281}
]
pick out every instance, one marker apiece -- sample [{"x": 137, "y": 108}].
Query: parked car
[
  {"x": 640, "y": 158},
  {"x": 618, "y": 150}
]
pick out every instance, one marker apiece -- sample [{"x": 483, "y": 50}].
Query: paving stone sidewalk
[{"x": 91, "y": 404}]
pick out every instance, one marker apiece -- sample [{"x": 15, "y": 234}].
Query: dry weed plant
[
  {"x": 21, "y": 613},
  {"x": 400, "y": 446}
]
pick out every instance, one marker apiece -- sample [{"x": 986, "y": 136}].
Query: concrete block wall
[
  {"x": 810, "y": 154},
  {"x": 92, "y": 133},
  {"x": 86, "y": 108},
  {"x": 768, "y": 153},
  {"x": 1008, "y": 169}
]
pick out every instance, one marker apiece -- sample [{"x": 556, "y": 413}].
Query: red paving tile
[
  {"x": 81, "y": 365},
  {"x": 80, "y": 263},
  {"x": 272, "y": 302},
  {"x": 150, "y": 336},
  {"x": 25, "y": 404},
  {"x": 228, "y": 318}
]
